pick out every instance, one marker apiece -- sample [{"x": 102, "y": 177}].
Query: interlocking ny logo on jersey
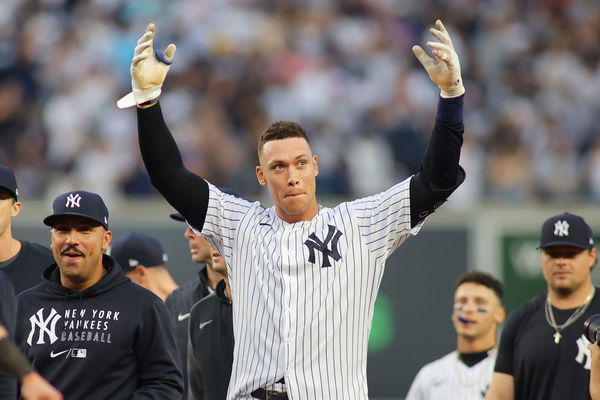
[
  {"x": 314, "y": 243},
  {"x": 73, "y": 200},
  {"x": 46, "y": 326},
  {"x": 561, "y": 228}
]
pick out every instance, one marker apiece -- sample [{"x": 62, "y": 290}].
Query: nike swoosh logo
[
  {"x": 182, "y": 317},
  {"x": 203, "y": 324},
  {"x": 54, "y": 355}
]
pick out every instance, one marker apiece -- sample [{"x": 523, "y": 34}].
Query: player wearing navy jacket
[{"x": 87, "y": 328}]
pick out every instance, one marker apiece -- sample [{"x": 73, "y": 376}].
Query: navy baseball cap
[
  {"x": 80, "y": 203},
  {"x": 137, "y": 249},
  {"x": 8, "y": 181},
  {"x": 179, "y": 217},
  {"x": 566, "y": 230}
]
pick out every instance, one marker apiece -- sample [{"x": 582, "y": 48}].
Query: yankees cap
[
  {"x": 8, "y": 181},
  {"x": 80, "y": 203},
  {"x": 178, "y": 217},
  {"x": 566, "y": 230},
  {"x": 137, "y": 249}
]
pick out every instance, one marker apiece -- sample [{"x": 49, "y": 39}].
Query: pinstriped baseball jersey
[
  {"x": 449, "y": 379},
  {"x": 304, "y": 293}
]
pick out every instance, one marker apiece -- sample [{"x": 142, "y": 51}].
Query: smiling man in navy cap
[
  {"x": 89, "y": 330},
  {"x": 143, "y": 260}
]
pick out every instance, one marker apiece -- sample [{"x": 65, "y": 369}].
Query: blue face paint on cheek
[{"x": 463, "y": 320}]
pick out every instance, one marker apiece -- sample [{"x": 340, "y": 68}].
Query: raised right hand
[{"x": 148, "y": 70}]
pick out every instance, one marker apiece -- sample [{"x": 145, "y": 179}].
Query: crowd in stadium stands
[{"x": 343, "y": 69}]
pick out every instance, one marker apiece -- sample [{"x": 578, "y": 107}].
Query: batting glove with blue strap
[{"x": 148, "y": 70}]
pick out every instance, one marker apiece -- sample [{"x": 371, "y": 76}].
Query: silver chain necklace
[{"x": 576, "y": 314}]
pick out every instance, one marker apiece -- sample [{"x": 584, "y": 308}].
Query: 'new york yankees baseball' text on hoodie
[{"x": 113, "y": 340}]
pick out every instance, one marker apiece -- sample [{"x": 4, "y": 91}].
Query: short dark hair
[
  {"x": 484, "y": 279},
  {"x": 281, "y": 130},
  {"x": 7, "y": 194}
]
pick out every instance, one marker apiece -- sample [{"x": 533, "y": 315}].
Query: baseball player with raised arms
[{"x": 304, "y": 277}]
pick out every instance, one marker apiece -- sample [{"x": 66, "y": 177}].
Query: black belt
[{"x": 263, "y": 394}]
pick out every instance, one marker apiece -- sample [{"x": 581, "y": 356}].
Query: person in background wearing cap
[
  {"x": 87, "y": 329},
  {"x": 180, "y": 302},
  {"x": 20, "y": 260},
  {"x": 143, "y": 260},
  {"x": 543, "y": 353},
  {"x": 210, "y": 347}
]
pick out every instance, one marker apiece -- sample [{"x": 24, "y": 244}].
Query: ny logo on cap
[
  {"x": 73, "y": 200},
  {"x": 561, "y": 228}
]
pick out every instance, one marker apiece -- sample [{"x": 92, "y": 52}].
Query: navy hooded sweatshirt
[{"x": 113, "y": 340}]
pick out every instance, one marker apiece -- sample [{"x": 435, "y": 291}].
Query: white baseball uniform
[
  {"x": 304, "y": 293},
  {"x": 448, "y": 378}
]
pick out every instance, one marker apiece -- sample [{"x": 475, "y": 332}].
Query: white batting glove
[
  {"x": 444, "y": 67},
  {"x": 148, "y": 70}
]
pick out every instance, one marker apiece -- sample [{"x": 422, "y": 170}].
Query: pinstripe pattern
[
  {"x": 296, "y": 319},
  {"x": 449, "y": 379}
]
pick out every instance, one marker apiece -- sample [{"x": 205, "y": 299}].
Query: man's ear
[
  {"x": 16, "y": 209},
  {"x": 594, "y": 254},
  {"x": 106, "y": 239},
  {"x": 500, "y": 314},
  {"x": 260, "y": 176}
]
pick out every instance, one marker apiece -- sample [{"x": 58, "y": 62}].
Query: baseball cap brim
[
  {"x": 564, "y": 243},
  {"x": 51, "y": 219}
]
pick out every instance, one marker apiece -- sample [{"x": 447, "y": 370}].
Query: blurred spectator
[{"x": 337, "y": 67}]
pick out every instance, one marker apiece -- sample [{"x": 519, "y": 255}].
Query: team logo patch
[
  {"x": 561, "y": 228},
  {"x": 73, "y": 200},
  {"x": 315, "y": 244}
]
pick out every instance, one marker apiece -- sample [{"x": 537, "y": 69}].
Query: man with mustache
[{"x": 88, "y": 329}]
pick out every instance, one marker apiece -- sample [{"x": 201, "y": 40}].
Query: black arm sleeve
[
  {"x": 12, "y": 360},
  {"x": 439, "y": 174},
  {"x": 185, "y": 191}
]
